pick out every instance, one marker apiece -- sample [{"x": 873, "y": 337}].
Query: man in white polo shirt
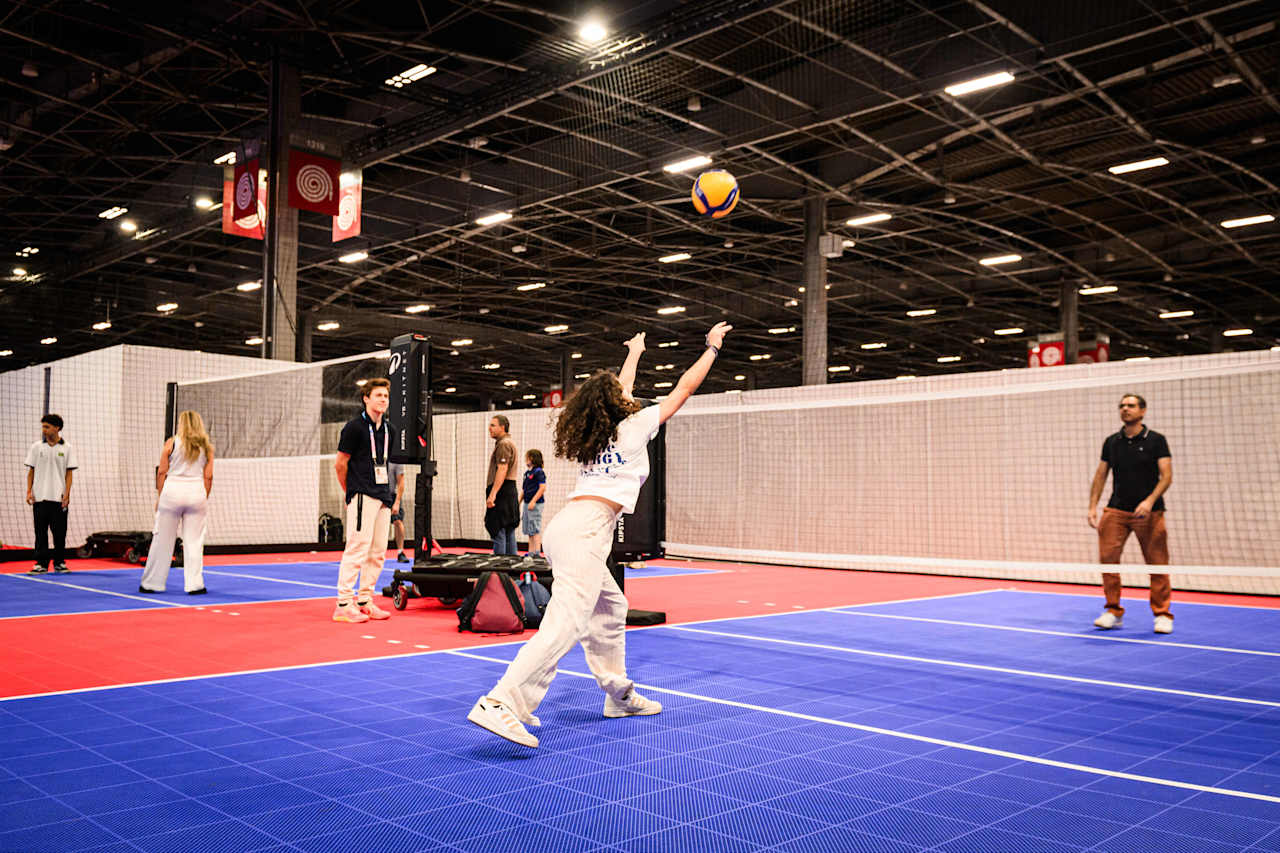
[{"x": 50, "y": 462}]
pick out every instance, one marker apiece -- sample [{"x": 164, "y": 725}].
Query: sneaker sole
[
  {"x": 483, "y": 723},
  {"x": 350, "y": 621},
  {"x": 616, "y": 715}
]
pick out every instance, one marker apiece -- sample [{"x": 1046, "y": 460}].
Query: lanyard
[{"x": 386, "y": 442}]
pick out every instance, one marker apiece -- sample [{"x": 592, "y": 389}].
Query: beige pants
[
  {"x": 586, "y": 607},
  {"x": 368, "y": 525},
  {"x": 182, "y": 506}
]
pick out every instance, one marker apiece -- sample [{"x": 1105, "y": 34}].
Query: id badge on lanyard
[{"x": 380, "y": 476}]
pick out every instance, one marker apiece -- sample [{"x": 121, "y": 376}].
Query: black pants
[{"x": 50, "y": 516}]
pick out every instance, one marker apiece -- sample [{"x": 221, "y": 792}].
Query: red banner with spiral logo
[
  {"x": 313, "y": 182},
  {"x": 250, "y": 224},
  {"x": 347, "y": 222}
]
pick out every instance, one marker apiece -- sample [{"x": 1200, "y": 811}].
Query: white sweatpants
[
  {"x": 586, "y": 607},
  {"x": 368, "y": 525},
  {"x": 182, "y": 505}
]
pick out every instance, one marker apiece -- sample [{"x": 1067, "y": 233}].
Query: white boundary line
[
  {"x": 1016, "y": 756},
  {"x": 1093, "y": 635},
  {"x": 1180, "y": 602},
  {"x": 135, "y": 597},
  {"x": 203, "y": 605},
  {"x": 983, "y": 667},
  {"x": 328, "y": 586}
]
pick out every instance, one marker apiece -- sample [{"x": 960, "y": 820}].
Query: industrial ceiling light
[
  {"x": 665, "y": 344},
  {"x": 493, "y": 218},
  {"x": 493, "y": 365},
  {"x": 838, "y": 368},
  {"x": 417, "y": 309},
  {"x": 533, "y": 285},
  {"x": 113, "y": 212},
  {"x": 922, "y": 312},
  {"x": 19, "y": 271},
  {"x": 450, "y": 389},
  {"x": 511, "y": 383},
  {"x": 409, "y": 75},
  {"x": 102, "y": 325},
  {"x": 663, "y": 384},
  {"x": 556, "y": 329},
  {"x": 1102, "y": 288},
  {"x": 592, "y": 32},
  {"x": 671, "y": 259},
  {"x": 1138, "y": 166},
  {"x": 49, "y": 340},
  {"x": 1012, "y": 330},
  {"x": 944, "y": 359},
  {"x": 228, "y": 159},
  {"x": 575, "y": 355},
  {"x": 978, "y": 83},
  {"x": 353, "y": 257},
  {"x": 739, "y": 377},
  {"x": 1235, "y": 333},
  {"x": 875, "y": 345},
  {"x": 1248, "y": 220},
  {"x": 461, "y": 342},
  {"x": 254, "y": 341},
  {"x": 246, "y": 286},
  {"x": 204, "y": 202},
  {"x": 672, "y": 309},
  {"x": 761, "y": 356},
  {"x": 5, "y": 353},
  {"x": 996, "y": 260},
  {"x": 687, "y": 164},
  {"x": 167, "y": 307},
  {"x": 869, "y": 219},
  {"x": 1174, "y": 315},
  {"x": 328, "y": 325}
]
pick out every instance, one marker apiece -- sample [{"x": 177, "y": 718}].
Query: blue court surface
[
  {"x": 117, "y": 589},
  {"x": 871, "y": 728}
]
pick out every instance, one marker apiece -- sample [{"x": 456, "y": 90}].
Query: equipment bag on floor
[
  {"x": 536, "y": 598},
  {"x": 495, "y": 606}
]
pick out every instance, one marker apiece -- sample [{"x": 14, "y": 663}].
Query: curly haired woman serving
[{"x": 607, "y": 432}]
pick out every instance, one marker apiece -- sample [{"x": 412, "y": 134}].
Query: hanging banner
[
  {"x": 246, "y": 226},
  {"x": 347, "y": 222},
  {"x": 313, "y": 182},
  {"x": 245, "y": 195}
]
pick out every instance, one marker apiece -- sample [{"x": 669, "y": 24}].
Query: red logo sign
[
  {"x": 347, "y": 222},
  {"x": 313, "y": 182},
  {"x": 244, "y": 191},
  {"x": 552, "y": 398},
  {"x": 251, "y": 224}
]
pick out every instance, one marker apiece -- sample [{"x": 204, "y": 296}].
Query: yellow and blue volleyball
[{"x": 715, "y": 193}]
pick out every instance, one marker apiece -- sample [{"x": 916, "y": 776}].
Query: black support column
[
  {"x": 815, "y": 293},
  {"x": 280, "y": 252}
]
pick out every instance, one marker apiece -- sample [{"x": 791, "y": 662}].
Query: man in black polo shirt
[
  {"x": 364, "y": 475},
  {"x": 1143, "y": 471}
]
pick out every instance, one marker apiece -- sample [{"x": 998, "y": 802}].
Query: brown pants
[{"x": 1113, "y": 530}]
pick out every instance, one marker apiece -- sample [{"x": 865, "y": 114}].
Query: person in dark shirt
[
  {"x": 533, "y": 498},
  {"x": 365, "y": 477},
  {"x": 1143, "y": 471}
]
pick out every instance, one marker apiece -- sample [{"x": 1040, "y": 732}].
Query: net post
[{"x": 170, "y": 410}]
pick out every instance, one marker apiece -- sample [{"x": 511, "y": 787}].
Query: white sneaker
[
  {"x": 1108, "y": 620},
  {"x": 372, "y": 611},
  {"x": 498, "y": 718},
  {"x": 631, "y": 705},
  {"x": 1163, "y": 625},
  {"x": 349, "y": 613}
]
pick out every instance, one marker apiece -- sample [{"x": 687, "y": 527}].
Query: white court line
[
  {"x": 147, "y": 598},
  {"x": 1092, "y": 635},
  {"x": 190, "y": 606},
  {"x": 1179, "y": 602},
  {"x": 275, "y": 580},
  {"x": 1017, "y": 756},
  {"x": 1006, "y": 670}
]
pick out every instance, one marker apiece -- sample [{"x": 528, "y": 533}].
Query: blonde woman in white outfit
[
  {"x": 183, "y": 481},
  {"x": 607, "y": 432}
]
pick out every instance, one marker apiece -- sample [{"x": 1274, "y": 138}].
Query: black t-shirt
[
  {"x": 355, "y": 442},
  {"x": 1135, "y": 468}
]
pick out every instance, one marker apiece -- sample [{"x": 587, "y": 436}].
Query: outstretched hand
[
  {"x": 715, "y": 337},
  {"x": 636, "y": 342}
]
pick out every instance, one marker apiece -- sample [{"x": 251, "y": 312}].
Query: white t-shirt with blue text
[{"x": 621, "y": 468}]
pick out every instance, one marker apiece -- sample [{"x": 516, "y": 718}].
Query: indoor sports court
[{"x": 884, "y": 395}]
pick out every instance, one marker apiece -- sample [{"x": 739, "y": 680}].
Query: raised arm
[
  {"x": 627, "y": 375},
  {"x": 693, "y": 377}
]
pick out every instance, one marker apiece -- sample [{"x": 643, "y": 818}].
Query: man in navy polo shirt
[
  {"x": 1143, "y": 471},
  {"x": 363, "y": 472}
]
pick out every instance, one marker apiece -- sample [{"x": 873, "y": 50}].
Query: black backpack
[
  {"x": 495, "y": 606},
  {"x": 536, "y": 599}
]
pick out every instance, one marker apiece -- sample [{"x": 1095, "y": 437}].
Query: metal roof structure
[{"x": 128, "y": 105}]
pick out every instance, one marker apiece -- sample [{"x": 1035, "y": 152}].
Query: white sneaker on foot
[
  {"x": 1163, "y": 625},
  {"x": 348, "y": 613},
  {"x": 631, "y": 705},
  {"x": 1108, "y": 620},
  {"x": 499, "y": 719},
  {"x": 371, "y": 610}
]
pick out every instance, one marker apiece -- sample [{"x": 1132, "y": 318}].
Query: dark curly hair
[{"x": 588, "y": 420}]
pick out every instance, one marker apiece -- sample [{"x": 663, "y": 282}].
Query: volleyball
[{"x": 715, "y": 193}]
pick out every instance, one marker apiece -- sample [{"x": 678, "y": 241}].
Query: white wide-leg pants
[
  {"x": 182, "y": 506},
  {"x": 586, "y": 607},
  {"x": 368, "y": 526}
]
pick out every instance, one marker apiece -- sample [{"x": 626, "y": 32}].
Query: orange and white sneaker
[
  {"x": 371, "y": 610},
  {"x": 348, "y": 613}
]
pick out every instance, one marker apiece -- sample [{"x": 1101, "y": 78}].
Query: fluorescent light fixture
[
  {"x": 360, "y": 383},
  {"x": 529, "y": 397},
  {"x": 511, "y": 383},
  {"x": 533, "y": 285},
  {"x": 5, "y": 353},
  {"x": 664, "y": 367},
  {"x": 1225, "y": 80},
  {"x": 687, "y": 164},
  {"x": 47, "y": 341},
  {"x": 1102, "y": 288},
  {"x": 666, "y": 344},
  {"x": 254, "y": 341},
  {"x": 672, "y": 309},
  {"x": 905, "y": 376},
  {"x": 838, "y": 368},
  {"x": 1174, "y": 315},
  {"x": 592, "y": 32},
  {"x": 555, "y": 329},
  {"x": 848, "y": 244},
  {"x": 27, "y": 251},
  {"x": 128, "y": 226},
  {"x": 1248, "y": 220},
  {"x": 353, "y": 257},
  {"x": 450, "y": 389},
  {"x": 328, "y": 325},
  {"x": 113, "y": 212},
  {"x": 944, "y": 359},
  {"x": 1138, "y": 166},
  {"x": 1235, "y": 333},
  {"x": 493, "y": 218},
  {"x": 204, "y": 202},
  {"x": 493, "y": 365},
  {"x": 869, "y": 219},
  {"x": 671, "y": 259},
  {"x": 19, "y": 271},
  {"x": 1139, "y": 358},
  {"x": 781, "y": 330},
  {"x": 461, "y": 342},
  {"x": 1012, "y": 330},
  {"x": 102, "y": 326},
  {"x": 760, "y": 356},
  {"x": 409, "y": 75},
  {"x": 978, "y": 83},
  {"x": 417, "y": 309},
  {"x": 575, "y": 355},
  {"x": 922, "y": 312},
  {"x": 791, "y": 303},
  {"x": 166, "y": 307},
  {"x": 739, "y": 377},
  {"x": 663, "y": 384},
  {"x": 1000, "y": 259},
  {"x": 227, "y": 159},
  {"x": 245, "y": 287},
  {"x": 875, "y": 345},
  {"x": 582, "y": 376}
]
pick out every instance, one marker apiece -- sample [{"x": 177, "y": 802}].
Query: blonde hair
[{"x": 192, "y": 437}]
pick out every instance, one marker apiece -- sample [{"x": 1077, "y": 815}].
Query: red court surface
[{"x": 59, "y": 652}]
